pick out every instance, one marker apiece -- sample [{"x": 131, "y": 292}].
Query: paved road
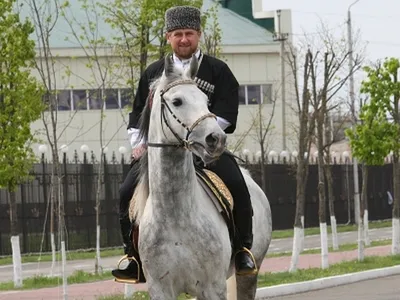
[
  {"x": 108, "y": 263},
  {"x": 386, "y": 288}
]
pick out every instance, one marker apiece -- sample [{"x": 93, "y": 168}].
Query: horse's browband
[{"x": 175, "y": 83}]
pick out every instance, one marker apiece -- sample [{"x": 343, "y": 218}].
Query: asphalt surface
[
  {"x": 109, "y": 263},
  {"x": 386, "y": 288}
]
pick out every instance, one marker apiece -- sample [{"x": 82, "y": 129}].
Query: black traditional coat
[{"x": 214, "y": 78}]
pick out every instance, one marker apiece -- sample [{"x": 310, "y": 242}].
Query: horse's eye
[{"x": 177, "y": 102}]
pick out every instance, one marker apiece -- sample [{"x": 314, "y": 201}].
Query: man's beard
[{"x": 186, "y": 53}]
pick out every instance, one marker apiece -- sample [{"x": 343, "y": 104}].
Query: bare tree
[
  {"x": 306, "y": 128},
  {"x": 328, "y": 138},
  {"x": 263, "y": 127},
  {"x": 324, "y": 76},
  {"x": 44, "y": 16},
  {"x": 325, "y": 86},
  {"x": 99, "y": 59}
]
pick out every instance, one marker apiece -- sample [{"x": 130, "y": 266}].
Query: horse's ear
[
  {"x": 194, "y": 66},
  {"x": 169, "y": 65}
]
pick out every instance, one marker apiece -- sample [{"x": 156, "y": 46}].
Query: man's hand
[{"x": 138, "y": 151}]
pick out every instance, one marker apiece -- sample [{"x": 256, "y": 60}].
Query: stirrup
[
  {"x": 131, "y": 281},
  {"x": 252, "y": 272}
]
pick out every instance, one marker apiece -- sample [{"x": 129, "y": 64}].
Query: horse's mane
[{"x": 138, "y": 201}]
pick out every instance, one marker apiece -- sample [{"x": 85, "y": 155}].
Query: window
[
  {"x": 64, "y": 100},
  {"x": 266, "y": 92},
  {"x": 80, "y": 99},
  {"x": 254, "y": 94},
  {"x": 127, "y": 97},
  {"x": 95, "y": 100},
  {"x": 242, "y": 94},
  {"x": 112, "y": 99}
]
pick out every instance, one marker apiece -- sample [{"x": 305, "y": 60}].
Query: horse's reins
[{"x": 182, "y": 143}]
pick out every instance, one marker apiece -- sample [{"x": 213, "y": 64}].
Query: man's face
[{"x": 184, "y": 42}]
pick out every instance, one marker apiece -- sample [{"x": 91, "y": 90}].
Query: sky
[{"x": 377, "y": 21}]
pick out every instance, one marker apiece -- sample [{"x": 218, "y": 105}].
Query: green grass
[
  {"x": 281, "y": 234},
  {"x": 71, "y": 255},
  {"x": 271, "y": 279},
  {"x": 38, "y": 282},
  {"x": 342, "y": 248},
  {"x": 370, "y": 263}
]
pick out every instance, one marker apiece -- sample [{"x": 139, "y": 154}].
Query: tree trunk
[
  {"x": 331, "y": 202},
  {"x": 364, "y": 203},
  {"x": 52, "y": 213},
  {"x": 262, "y": 167},
  {"x": 329, "y": 181},
  {"x": 59, "y": 196},
  {"x": 163, "y": 43},
  {"x": 97, "y": 209},
  {"x": 144, "y": 43},
  {"x": 15, "y": 246},
  {"x": 302, "y": 162},
  {"x": 98, "y": 269},
  {"x": 361, "y": 245},
  {"x": 262, "y": 171},
  {"x": 348, "y": 194},
  {"x": 321, "y": 191},
  {"x": 301, "y": 179},
  {"x": 396, "y": 206}
]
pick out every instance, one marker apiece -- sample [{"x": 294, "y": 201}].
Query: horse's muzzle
[{"x": 216, "y": 143}]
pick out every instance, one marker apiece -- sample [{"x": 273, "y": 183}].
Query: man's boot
[
  {"x": 133, "y": 273},
  {"x": 244, "y": 259}
]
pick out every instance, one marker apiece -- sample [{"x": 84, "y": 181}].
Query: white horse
[{"x": 183, "y": 240}]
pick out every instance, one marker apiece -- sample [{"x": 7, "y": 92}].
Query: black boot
[
  {"x": 245, "y": 263},
  {"x": 244, "y": 259},
  {"x": 133, "y": 273}
]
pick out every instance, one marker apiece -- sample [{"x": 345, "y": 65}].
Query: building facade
[{"x": 248, "y": 49}]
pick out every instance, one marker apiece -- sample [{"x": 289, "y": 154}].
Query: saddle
[{"x": 220, "y": 196}]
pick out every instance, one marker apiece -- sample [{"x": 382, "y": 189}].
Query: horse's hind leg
[{"x": 246, "y": 287}]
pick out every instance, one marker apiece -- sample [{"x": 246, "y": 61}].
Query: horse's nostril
[{"x": 212, "y": 140}]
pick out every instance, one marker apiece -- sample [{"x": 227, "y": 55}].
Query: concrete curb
[{"x": 323, "y": 283}]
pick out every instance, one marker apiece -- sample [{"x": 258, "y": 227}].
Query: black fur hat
[{"x": 182, "y": 17}]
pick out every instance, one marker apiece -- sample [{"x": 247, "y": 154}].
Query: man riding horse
[{"x": 215, "y": 79}]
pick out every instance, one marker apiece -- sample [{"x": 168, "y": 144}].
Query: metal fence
[{"x": 80, "y": 182}]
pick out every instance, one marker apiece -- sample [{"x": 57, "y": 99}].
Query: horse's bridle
[{"x": 182, "y": 143}]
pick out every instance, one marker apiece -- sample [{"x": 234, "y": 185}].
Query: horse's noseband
[{"x": 182, "y": 143}]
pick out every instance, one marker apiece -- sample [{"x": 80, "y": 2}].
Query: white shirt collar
[{"x": 183, "y": 63}]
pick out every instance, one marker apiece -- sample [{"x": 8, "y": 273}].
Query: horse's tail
[{"x": 139, "y": 198}]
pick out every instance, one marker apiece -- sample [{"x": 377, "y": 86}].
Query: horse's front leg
[
  {"x": 162, "y": 291},
  {"x": 217, "y": 291}
]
